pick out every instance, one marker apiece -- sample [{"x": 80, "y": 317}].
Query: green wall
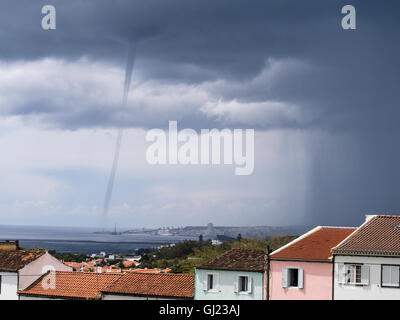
[{"x": 226, "y": 290}]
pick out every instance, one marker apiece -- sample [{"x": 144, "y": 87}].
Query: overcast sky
[{"x": 324, "y": 102}]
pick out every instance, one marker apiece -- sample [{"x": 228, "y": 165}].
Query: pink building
[{"x": 302, "y": 269}]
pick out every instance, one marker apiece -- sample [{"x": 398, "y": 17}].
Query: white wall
[
  {"x": 34, "y": 270},
  {"x": 372, "y": 291},
  {"x": 9, "y": 286}
]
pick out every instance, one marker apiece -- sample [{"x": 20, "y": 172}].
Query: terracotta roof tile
[
  {"x": 314, "y": 245},
  {"x": 154, "y": 284},
  {"x": 237, "y": 259},
  {"x": 380, "y": 235},
  {"x": 68, "y": 284},
  {"x": 14, "y": 260},
  {"x": 128, "y": 264}
]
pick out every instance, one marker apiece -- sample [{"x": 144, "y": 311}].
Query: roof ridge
[
  {"x": 387, "y": 215},
  {"x": 87, "y": 272},
  {"x": 252, "y": 249},
  {"x": 158, "y": 273},
  {"x": 334, "y": 227},
  {"x": 353, "y": 233}
]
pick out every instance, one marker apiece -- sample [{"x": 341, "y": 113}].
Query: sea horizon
[{"x": 83, "y": 239}]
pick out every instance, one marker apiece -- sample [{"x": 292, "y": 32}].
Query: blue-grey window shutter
[
  {"x": 250, "y": 284},
  {"x": 300, "y": 277},
  {"x": 205, "y": 280},
  {"x": 236, "y": 284},
  {"x": 341, "y": 273},
  {"x": 216, "y": 281},
  {"x": 365, "y": 274},
  {"x": 284, "y": 278}
]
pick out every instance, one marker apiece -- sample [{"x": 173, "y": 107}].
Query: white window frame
[
  {"x": 286, "y": 278},
  {"x": 390, "y": 285},
  {"x": 215, "y": 287},
  {"x": 249, "y": 284},
  {"x": 344, "y": 269}
]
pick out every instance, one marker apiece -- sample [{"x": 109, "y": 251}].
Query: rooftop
[
  {"x": 153, "y": 284},
  {"x": 314, "y": 245},
  {"x": 238, "y": 259},
  {"x": 68, "y": 284},
  {"x": 14, "y": 260},
  {"x": 379, "y": 235}
]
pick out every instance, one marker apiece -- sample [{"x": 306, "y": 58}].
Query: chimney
[
  {"x": 9, "y": 245},
  {"x": 369, "y": 217}
]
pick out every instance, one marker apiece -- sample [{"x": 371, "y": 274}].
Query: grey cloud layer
[
  {"x": 262, "y": 64},
  {"x": 193, "y": 42}
]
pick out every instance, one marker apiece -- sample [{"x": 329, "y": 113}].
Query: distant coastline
[
  {"x": 83, "y": 240},
  {"x": 91, "y": 240},
  {"x": 89, "y": 247}
]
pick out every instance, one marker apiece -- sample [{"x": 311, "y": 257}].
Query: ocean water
[{"x": 83, "y": 240}]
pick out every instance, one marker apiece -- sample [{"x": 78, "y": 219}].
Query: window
[
  {"x": 353, "y": 274},
  {"x": 292, "y": 278},
  {"x": 390, "y": 276},
  {"x": 210, "y": 282},
  {"x": 243, "y": 284}
]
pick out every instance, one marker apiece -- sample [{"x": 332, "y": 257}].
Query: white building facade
[
  {"x": 229, "y": 285},
  {"x": 20, "y": 268},
  {"x": 8, "y": 285},
  {"x": 367, "y": 263},
  {"x": 366, "y": 278},
  {"x": 238, "y": 274}
]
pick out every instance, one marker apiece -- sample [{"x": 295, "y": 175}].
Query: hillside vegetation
[{"x": 184, "y": 256}]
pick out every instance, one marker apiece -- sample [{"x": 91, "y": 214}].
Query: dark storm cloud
[
  {"x": 343, "y": 84},
  {"x": 230, "y": 40}
]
